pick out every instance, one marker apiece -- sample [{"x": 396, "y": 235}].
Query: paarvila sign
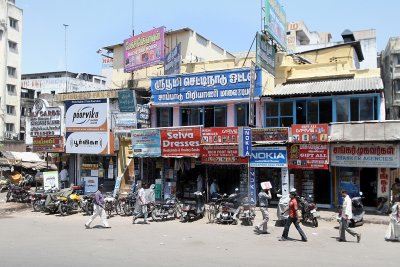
[{"x": 86, "y": 115}]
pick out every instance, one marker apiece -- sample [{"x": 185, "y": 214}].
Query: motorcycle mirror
[
  {"x": 310, "y": 196},
  {"x": 361, "y": 193},
  {"x": 236, "y": 189}
]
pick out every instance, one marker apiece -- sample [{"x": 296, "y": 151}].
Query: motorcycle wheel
[
  {"x": 89, "y": 209},
  {"x": 154, "y": 216},
  {"x": 118, "y": 209},
  {"x": 8, "y": 196},
  {"x": 127, "y": 209},
  {"x": 315, "y": 222},
  {"x": 36, "y": 206},
  {"x": 63, "y": 210},
  {"x": 75, "y": 205},
  {"x": 234, "y": 222}
]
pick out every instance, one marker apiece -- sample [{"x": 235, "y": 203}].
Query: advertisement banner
[
  {"x": 86, "y": 115},
  {"x": 245, "y": 141},
  {"x": 265, "y": 54},
  {"x": 377, "y": 155},
  {"x": 383, "y": 182},
  {"x": 127, "y": 100},
  {"x": 275, "y": 21},
  {"x": 253, "y": 193},
  {"x": 310, "y": 133},
  {"x": 143, "y": 116},
  {"x": 269, "y": 157},
  {"x": 88, "y": 143},
  {"x": 309, "y": 156},
  {"x": 48, "y": 144},
  {"x": 146, "y": 143},
  {"x": 44, "y": 120},
  {"x": 219, "y": 136},
  {"x": 270, "y": 135},
  {"x": 206, "y": 86},
  {"x": 172, "y": 62},
  {"x": 124, "y": 122},
  {"x": 222, "y": 155},
  {"x": 91, "y": 184},
  {"x": 144, "y": 50},
  {"x": 182, "y": 142},
  {"x": 50, "y": 180}
]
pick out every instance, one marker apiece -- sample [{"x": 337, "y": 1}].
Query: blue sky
[{"x": 229, "y": 23}]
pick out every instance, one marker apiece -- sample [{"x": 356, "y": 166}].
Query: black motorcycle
[
  {"x": 171, "y": 208},
  {"x": 18, "y": 193},
  {"x": 128, "y": 203},
  {"x": 229, "y": 209},
  {"x": 38, "y": 198},
  {"x": 308, "y": 211},
  {"x": 193, "y": 209},
  {"x": 87, "y": 204}
]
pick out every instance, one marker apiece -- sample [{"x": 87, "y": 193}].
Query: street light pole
[{"x": 65, "y": 46}]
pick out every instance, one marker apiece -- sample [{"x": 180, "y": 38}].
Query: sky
[{"x": 230, "y": 24}]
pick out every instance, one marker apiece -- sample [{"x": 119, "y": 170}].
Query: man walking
[
  {"x": 263, "y": 198},
  {"x": 347, "y": 214},
  {"x": 143, "y": 204},
  {"x": 293, "y": 218},
  {"x": 98, "y": 209}
]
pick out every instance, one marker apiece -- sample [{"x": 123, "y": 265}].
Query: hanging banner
[
  {"x": 270, "y": 135},
  {"x": 48, "y": 144},
  {"x": 181, "y": 142},
  {"x": 275, "y": 21},
  {"x": 144, "y": 50},
  {"x": 310, "y": 133},
  {"x": 88, "y": 143},
  {"x": 309, "y": 156},
  {"x": 146, "y": 143},
  {"x": 268, "y": 157},
  {"x": 368, "y": 155},
  {"x": 223, "y": 85},
  {"x": 86, "y": 115},
  {"x": 172, "y": 62},
  {"x": 222, "y": 155},
  {"x": 127, "y": 100},
  {"x": 219, "y": 136},
  {"x": 265, "y": 54},
  {"x": 253, "y": 193},
  {"x": 245, "y": 141}
]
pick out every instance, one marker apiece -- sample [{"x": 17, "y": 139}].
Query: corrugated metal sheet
[{"x": 329, "y": 86}]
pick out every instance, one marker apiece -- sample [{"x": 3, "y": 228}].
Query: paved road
[{"x": 36, "y": 239}]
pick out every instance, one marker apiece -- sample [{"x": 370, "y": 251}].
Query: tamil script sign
[
  {"x": 143, "y": 116},
  {"x": 309, "y": 156},
  {"x": 270, "y": 135},
  {"x": 268, "y": 157},
  {"x": 48, "y": 144},
  {"x": 310, "y": 133},
  {"x": 378, "y": 155},
  {"x": 265, "y": 54},
  {"x": 206, "y": 86},
  {"x": 275, "y": 21},
  {"x": 86, "y": 115},
  {"x": 88, "y": 143},
  {"x": 172, "y": 61},
  {"x": 127, "y": 101},
  {"x": 221, "y": 155},
  {"x": 181, "y": 142},
  {"x": 144, "y": 50},
  {"x": 146, "y": 143},
  {"x": 219, "y": 136}
]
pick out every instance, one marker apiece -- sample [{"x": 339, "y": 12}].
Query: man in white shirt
[
  {"x": 143, "y": 204},
  {"x": 347, "y": 214},
  {"x": 64, "y": 177}
]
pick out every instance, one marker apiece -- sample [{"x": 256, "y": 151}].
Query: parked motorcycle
[
  {"x": 17, "y": 193},
  {"x": 192, "y": 210},
  {"x": 38, "y": 198},
  {"x": 128, "y": 203},
  {"x": 357, "y": 210},
  {"x": 112, "y": 204},
  {"x": 171, "y": 208},
  {"x": 247, "y": 212},
  {"x": 53, "y": 201},
  {"x": 308, "y": 211},
  {"x": 69, "y": 203},
  {"x": 87, "y": 204},
  {"x": 229, "y": 209},
  {"x": 4, "y": 183}
]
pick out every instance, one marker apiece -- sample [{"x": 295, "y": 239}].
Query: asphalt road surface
[{"x": 37, "y": 239}]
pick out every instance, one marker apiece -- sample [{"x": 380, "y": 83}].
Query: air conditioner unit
[{"x": 8, "y": 135}]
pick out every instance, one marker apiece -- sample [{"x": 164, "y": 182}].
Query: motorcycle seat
[
  {"x": 190, "y": 202},
  {"x": 227, "y": 204}
]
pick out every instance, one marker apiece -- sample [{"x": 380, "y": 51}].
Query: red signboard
[
  {"x": 222, "y": 155},
  {"x": 219, "y": 136},
  {"x": 308, "y": 156},
  {"x": 310, "y": 133},
  {"x": 181, "y": 142},
  {"x": 277, "y": 134},
  {"x": 48, "y": 144}
]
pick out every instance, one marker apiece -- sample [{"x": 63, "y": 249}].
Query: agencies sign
[
  {"x": 268, "y": 157},
  {"x": 309, "y": 156},
  {"x": 181, "y": 142},
  {"x": 146, "y": 143},
  {"x": 310, "y": 133},
  {"x": 86, "y": 115}
]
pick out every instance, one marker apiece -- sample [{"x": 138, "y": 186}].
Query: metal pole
[{"x": 65, "y": 47}]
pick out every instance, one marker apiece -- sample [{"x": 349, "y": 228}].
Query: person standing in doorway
[
  {"x": 214, "y": 189},
  {"x": 143, "y": 204},
  {"x": 395, "y": 190},
  {"x": 263, "y": 199},
  {"x": 293, "y": 218},
  {"x": 346, "y": 215},
  {"x": 200, "y": 183},
  {"x": 98, "y": 209},
  {"x": 64, "y": 177}
]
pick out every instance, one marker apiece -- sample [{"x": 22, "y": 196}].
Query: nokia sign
[{"x": 268, "y": 157}]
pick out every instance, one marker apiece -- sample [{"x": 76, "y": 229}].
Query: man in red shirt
[{"x": 293, "y": 218}]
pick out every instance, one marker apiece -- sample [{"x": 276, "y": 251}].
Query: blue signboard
[
  {"x": 172, "y": 61},
  {"x": 253, "y": 196},
  {"x": 269, "y": 157},
  {"x": 206, "y": 86},
  {"x": 244, "y": 142},
  {"x": 146, "y": 143}
]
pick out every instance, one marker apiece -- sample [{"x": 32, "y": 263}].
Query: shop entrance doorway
[{"x": 368, "y": 185}]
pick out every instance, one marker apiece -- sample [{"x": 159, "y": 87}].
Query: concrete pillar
[{"x": 230, "y": 113}]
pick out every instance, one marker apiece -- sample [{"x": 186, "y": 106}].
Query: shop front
[{"x": 364, "y": 167}]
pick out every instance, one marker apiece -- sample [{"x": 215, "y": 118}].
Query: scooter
[
  {"x": 230, "y": 209},
  {"x": 282, "y": 206},
  {"x": 193, "y": 210},
  {"x": 357, "y": 210},
  {"x": 247, "y": 213},
  {"x": 308, "y": 211}
]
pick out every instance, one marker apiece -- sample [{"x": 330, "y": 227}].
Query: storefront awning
[
  {"x": 27, "y": 160},
  {"x": 365, "y": 131}
]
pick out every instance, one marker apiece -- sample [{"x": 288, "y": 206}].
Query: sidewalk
[{"x": 9, "y": 207}]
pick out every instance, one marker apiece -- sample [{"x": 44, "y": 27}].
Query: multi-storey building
[{"x": 10, "y": 66}]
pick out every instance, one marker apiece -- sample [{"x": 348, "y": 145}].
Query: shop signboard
[
  {"x": 144, "y": 50},
  {"x": 310, "y": 133},
  {"x": 383, "y": 182},
  {"x": 219, "y": 136},
  {"x": 86, "y": 115},
  {"x": 117, "y": 186},
  {"x": 365, "y": 155},
  {"x": 44, "y": 120},
  {"x": 91, "y": 184},
  {"x": 172, "y": 61},
  {"x": 275, "y": 21},
  {"x": 265, "y": 54},
  {"x": 269, "y": 157},
  {"x": 222, "y": 155},
  {"x": 50, "y": 180},
  {"x": 285, "y": 181},
  {"x": 143, "y": 116},
  {"x": 245, "y": 141},
  {"x": 124, "y": 122},
  {"x": 253, "y": 193},
  {"x": 88, "y": 143},
  {"x": 181, "y": 142},
  {"x": 308, "y": 156},
  {"x": 212, "y": 86},
  {"x": 127, "y": 100},
  {"x": 48, "y": 144},
  {"x": 146, "y": 143},
  {"x": 270, "y": 135}
]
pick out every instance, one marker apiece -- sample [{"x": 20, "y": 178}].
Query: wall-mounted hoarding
[{"x": 275, "y": 21}]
